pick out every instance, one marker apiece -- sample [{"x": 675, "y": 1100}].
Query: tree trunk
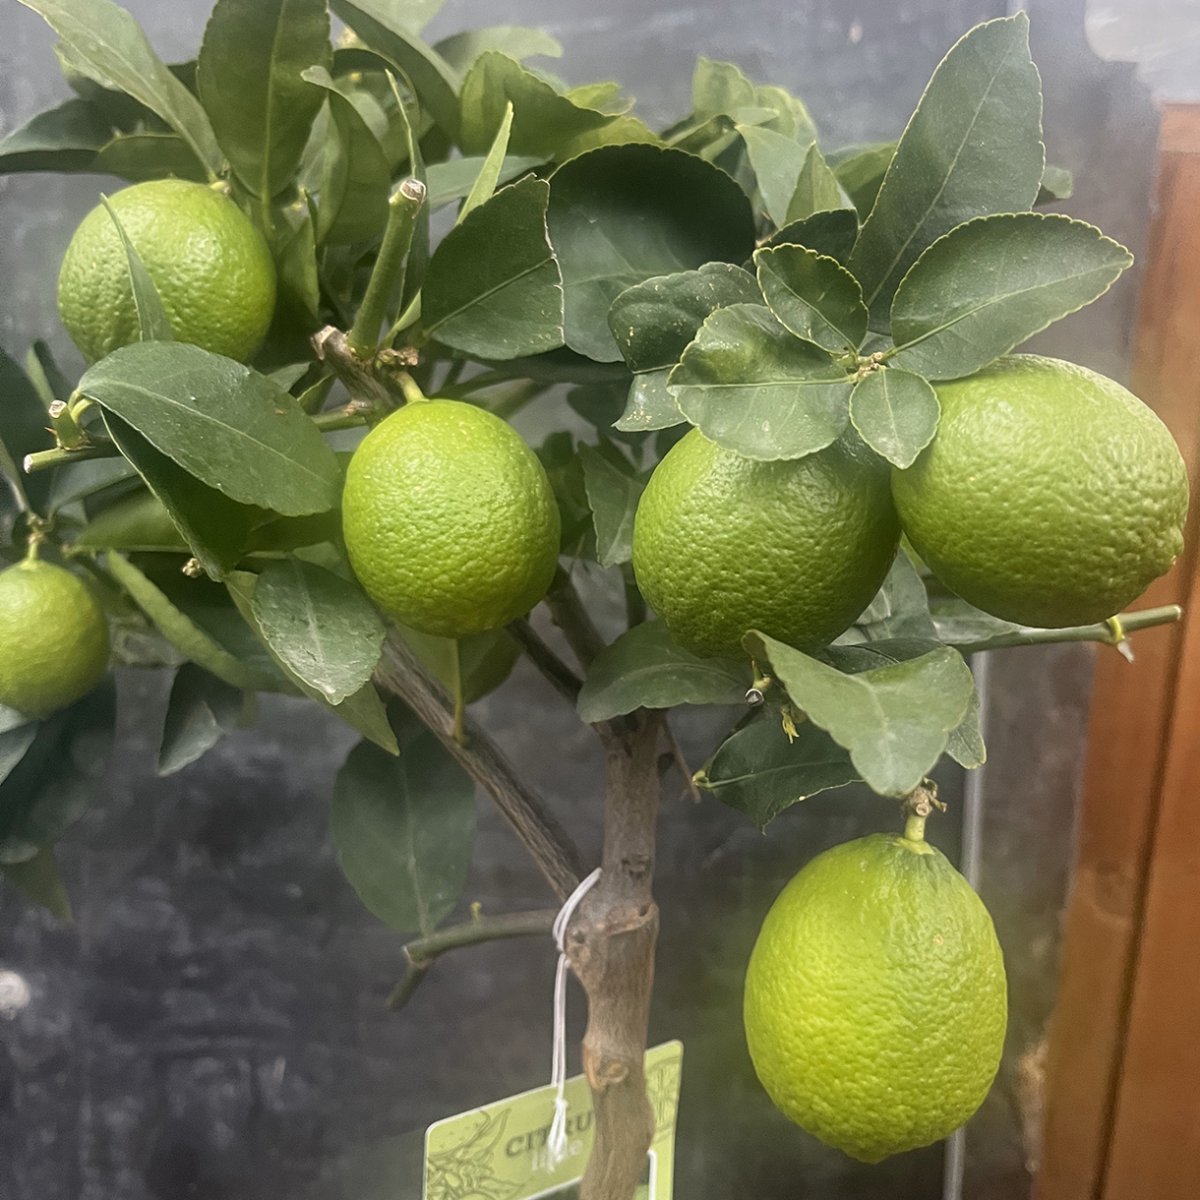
[{"x": 611, "y": 949}]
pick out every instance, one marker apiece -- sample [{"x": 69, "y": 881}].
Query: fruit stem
[
  {"x": 914, "y": 828},
  {"x": 918, "y": 804},
  {"x": 1112, "y": 632},
  {"x": 66, "y": 428},
  {"x": 387, "y": 276}
]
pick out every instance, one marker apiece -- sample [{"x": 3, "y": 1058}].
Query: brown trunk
[{"x": 611, "y": 949}]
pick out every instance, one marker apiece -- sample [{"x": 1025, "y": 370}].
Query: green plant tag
[{"x": 500, "y": 1149}]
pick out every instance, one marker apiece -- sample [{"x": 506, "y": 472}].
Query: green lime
[
  {"x": 449, "y": 519},
  {"x": 723, "y": 544},
  {"x": 53, "y": 638},
  {"x": 209, "y": 264},
  {"x": 1050, "y": 496},
  {"x": 875, "y": 1002}
]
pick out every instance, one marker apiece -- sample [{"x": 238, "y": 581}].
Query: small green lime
[
  {"x": 875, "y": 1003},
  {"x": 449, "y": 519},
  {"x": 54, "y": 642},
  {"x": 210, "y": 266},
  {"x": 723, "y": 544}
]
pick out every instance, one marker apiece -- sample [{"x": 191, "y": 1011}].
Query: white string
[{"x": 556, "y": 1143}]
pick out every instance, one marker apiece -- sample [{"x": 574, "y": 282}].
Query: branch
[
  {"x": 569, "y": 614},
  {"x": 422, "y": 953},
  {"x": 555, "y": 854},
  {"x": 551, "y": 666},
  {"x": 40, "y": 460},
  {"x": 1112, "y": 632}
]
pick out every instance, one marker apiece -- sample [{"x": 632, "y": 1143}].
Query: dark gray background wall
[{"x": 212, "y": 1024}]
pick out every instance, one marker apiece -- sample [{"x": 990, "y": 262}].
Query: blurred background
[{"x": 213, "y": 1022}]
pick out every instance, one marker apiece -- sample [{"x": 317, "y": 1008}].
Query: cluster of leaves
[{"x": 727, "y": 273}]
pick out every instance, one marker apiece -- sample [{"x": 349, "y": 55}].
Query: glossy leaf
[
  {"x": 461, "y": 50},
  {"x": 961, "y": 624},
  {"x": 831, "y": 233},
  {"x": 454, "y": 179},
  {"x": 477, "y": 664},
  {"x": 200, "y": 711},
  {"x": 493, "y": 288},
  {"x": 861, "y": 172},
  {"x": 153, "y": 323},
  {"x": 148, "y": 155},
  {"x": 752, "y": 387},
  {"x": 623, "y": 214},
  {"x": 817, "y": 188},
  {"x": 106, "y": 44},
  {"x": 613, "y": 492},
  {"x": 321, "y": 626},
  {"x": 650, "y": 403},
  {"x": 896, "y": 413},
  {"x": 894, "y": 720},
  {"x": 992, "y": 283},
  {"x": 965, "y": 744},
  {"x": 901, "y": 607},
  {"x": 403, "y": 829},
  {"x": 249, "y": 77},
  {"x": 221, "y": 421},
  {"x": 813, "y": 296},
  {"x": 488, "y": 178},
  {"x": 66, "y": 138},
  {"x": 778, "y": 162},
  {"x": 644, "y": 668},
  {"x": 38, "y": 879},
  {"x": 974, "y": 146},
  {"x": 759, "y": 771}
]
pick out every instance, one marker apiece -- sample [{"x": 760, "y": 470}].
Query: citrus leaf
[
  {"x": 961, "y": 624},
  {"x": 650, "y": 404},
  {"x": 752, "y": 387},
  {"x": 14, "y": 743},
  {"x": 481, "y": 664},
  {"x": 493, "y": 288},
  {"x": 249, "y": 77},
  {"x": 544, "y": 120},
  {"x": 182, "y": 632},
  {"x": 778, "y": 162},
  {"x": 1057, "y": 184},
  {"x": 901, "y": 607},
  {"x": 654, "y": 321},
  {"x": 221, "y": 421},
  {"x": 200, "y": 711},
  {"x": 137, "y": 522},
  {"x": 965, "y": 744},
  {"x": 24, "y": 429},
  {"x": 720, "y": 89},
  {"x": 758, "y": 771},
  {"x": 991, "y": 283},
  {"x": 644, "y": 668},
  {"x": 321, "y": 626},
  {"x": 974, "y": 146},
  {"x": 403, "y": 829},
  {"x": 461, "y": 50},
  {"x": 817, "y": 188},
  {"x": 453, "y": 180},
  {"x": 613, "y": 495},
  {"x": 59, "y": 775},
  {"x": 813, "y": 296},
  {"x": 148, "y": 155},
  {"x": 894, "y": 720},
  {"x": 66, "y": 138},
  {"x": 861, "y": 171},
  {"x": 623, "y": 214},
  {"x": 38, "y": 879},
  {"x": 382, "y": 25},
  {"x": 107, "y": 45},
  {"x": 354, "y": 179},
  {"x": 896, "y": 412},
  {"x": 489, "y": 173},
  {"x": 153, "y": 323},
  {"x": 831, "y": 233}
]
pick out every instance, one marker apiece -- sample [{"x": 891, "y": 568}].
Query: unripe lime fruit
[
  {"x": 1050, "y": 496},
  {"x": 875, "y": 1003},
  {"x": 209, "y": 264},
  {"x": 449, "y": 519},
  {"x": 53, "y": 638},
  {"x": 723, "y": 544}
]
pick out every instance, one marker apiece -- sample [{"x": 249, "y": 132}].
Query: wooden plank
[{"x": 1131, "y": 713}]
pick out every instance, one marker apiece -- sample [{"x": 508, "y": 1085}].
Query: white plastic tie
[{"x": 556, "y": 1143}]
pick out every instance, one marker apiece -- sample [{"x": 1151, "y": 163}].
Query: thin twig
[
  {"x": 40, "y": 460},
  {"x": 422, "y": 953},
  {"x": 680, "y": 762},
  {"x": 1111, "y": 632},
  {"x": 543, "y": 657},
  {"x": 569, "y": 614}
]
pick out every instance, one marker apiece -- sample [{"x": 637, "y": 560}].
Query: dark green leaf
[
  {"x": 817, "y": 188},
  {"x": 382, "y": 24},
  {"x": 106, "y": 44},
  {"x": 625, "y": 130},
  {"x": 813, "y": 296},
  {"x": 137, "y": 522},
  {"x": 759, "y": 771},
  {"x": 989, "y": 284},
  {"x": 486, "y": 181},
  {"x": 452, "y": 180},
  {"x": 249, "y": 76},
  {"x": 974, "y": 146},
  {"x": 901, "y": 608},
  {"x": 321, "y": 626},
  {"x": 565, "y": 471},
  {"x": 76, "y": 481},
  {"x": 153, "y": 323},
  {"x": 644, "y": 668},
  {"x": 293, "y": 242},
  {"x": 778, "y": 163},
  {"x": 477, "y": 664},
  {"x": 754, "y": 388},
  {"x": 23, "y": 430},
  {"x": 650, "y": 404},
  {"x": 38, "y": 879},
  {"x": 861, "y": 171},
  {"x": 216, "y": 528},
  {"x": 354, "y": 177},
  {"x": 141, "y": 156},
  {"x": 831, "y": 232},
  {"x": 59, "y": 775},
  {"x": 895, "y": 720},
  {"x": 223, "y": 422},
  {"x": 517, "y": 41},
  {"x": 493, "y": 287},
  {"x": 896, "y": 413},
  {"x": 1057, "y": 184},
  {"x": 653, "y": 322},
  {"x": 403, "y": 829},
  {"x": 623, "y": 214},
  {"x": 66, "y": 138},
  {"x": 613, "y": 494},
  {"x": 200, "y": 711}
]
